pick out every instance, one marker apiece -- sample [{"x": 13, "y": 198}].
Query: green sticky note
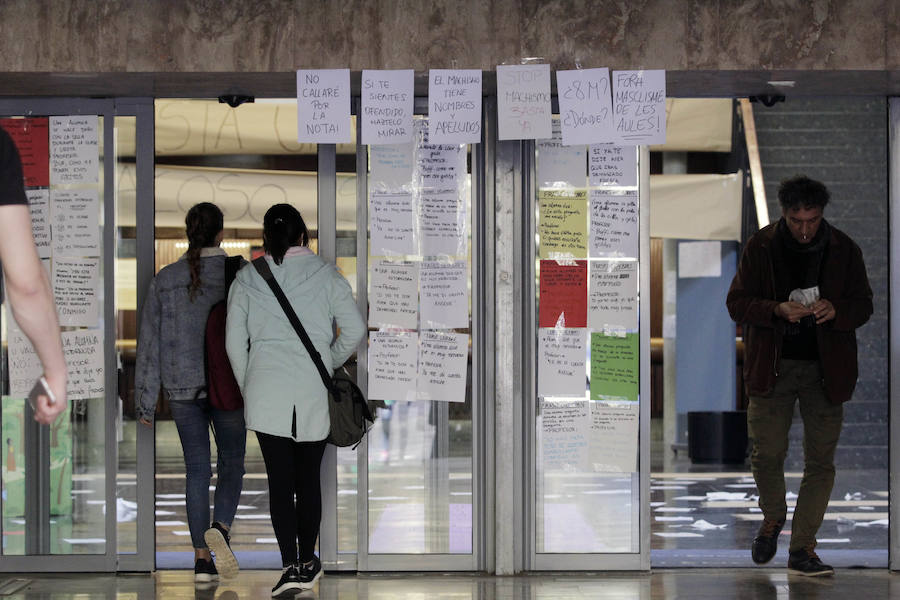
[{"x": 614, "y": 367}]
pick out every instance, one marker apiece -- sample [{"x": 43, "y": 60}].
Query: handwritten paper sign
[
  {"x": 83, "y": 350},
  {"x": 31, "y": 136},
  {"x": 563, "y": 286},
  {"x": 76, "y": 222},
  {"x": 75, "y": 284},
  {"x": 640, "y": 107},
  {"x": 614, "y": 224},
  {"x": 612, "y": 297},
  {"x": 614, "y": 367},
  {"x": 393, "y": 296},
  {"x": 559, "y": 166},
  {"x": 563, "y": 223},
  {"x": 612, "y": 165},
  {"x": 24, "y": 364},
  {"x": 614, "y": 438},
  {"x": 565, "y": 435},
  {"x": 387, "y": 106},
  {"x": 438, "y": 166},
  {"x": 454, "y": 106},
  {"x": 444, "y": 295},
  {"x": 585, "y": 106},
  {"x": 392, "y": 365},
  {"x": 392, "y": 167},
  {"x": 323, "y": 106},
  {"x": 562, "y": 354},
  {"x": 443, "y": 224},
  {"x": 443, "y": 366},
  {"x": 39, "y": 205},
  {"x": 74, "y": 150},
  {"x": 391, "y": 224},
  {"x": 523, "y": 102}
]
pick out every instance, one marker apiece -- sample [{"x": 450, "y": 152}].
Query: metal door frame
[{"x": 107, "y": 110}]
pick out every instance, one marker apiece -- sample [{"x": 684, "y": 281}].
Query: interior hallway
[{"x": 742, "y": 584}]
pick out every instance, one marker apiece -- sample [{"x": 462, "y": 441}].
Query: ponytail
[
  {"x": 203, "y": 223},
  {"x": 283, "y": 227}
]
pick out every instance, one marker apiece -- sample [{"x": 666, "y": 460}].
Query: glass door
[
  {"x": 585, "y": 256},
  {"x": 66, "y": 503}
]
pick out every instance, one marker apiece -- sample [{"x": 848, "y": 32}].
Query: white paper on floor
[
  {"x": 853, "y": 496},
  {"x": 790, "y": 496},
  {"x": 667, "y": 519},
  {"x": 706, "y": 525},
  {"x": 720, "y": 496},
  {"x": 834, "y": 541},
  {"x": 876, "y": 523}
]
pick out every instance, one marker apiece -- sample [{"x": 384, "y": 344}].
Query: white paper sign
[
  {"x": 443, "y": 366},
  {"x": 454, "y": 106},
  {"x": 614, "y": 225},
  {"x": 561, "y": 359},
  {"x": 392, "y": 365},
  {"x": 24, "y": 365},
  {"x": 443, "y": 224},
  {"x": 75, "y": 286},
  {"x": 612, "y": 297},
  {"x": 523, "y": 102},
  {"x": 391, "y": 224},
  {"x": 585, "y": 106},
  {"x": 699, "y": 259},
  {"x": 74, "y": 150},
  {"x": 392, "y": 167},
  {"x": 640, "y": 107},
  {"x": 83, "y": 350},
  {"x": 614, "y": 438},
  {"x": 558, "y": 165},
  {"x": 39, "y": 204},
  {"x": 444, "y": 295},
  {"x": 323, "y": 106},
  {"x": 439, "y": 166},
  {"x": 393, "y": 297},
  {"x": 565, "y": 435},
  {"x": 76, "y": 222},
  {"x": 612, "y": 165},
  {"x": 387, "y": 106}
]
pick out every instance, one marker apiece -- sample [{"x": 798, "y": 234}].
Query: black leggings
[{"x": 293, "y": 469}]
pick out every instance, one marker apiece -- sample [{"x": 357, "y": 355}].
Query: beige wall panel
[
  {"x": 46, "y": 35},
  {"x": 637, "y": 34},
  {"x": 783, "y": 34}
]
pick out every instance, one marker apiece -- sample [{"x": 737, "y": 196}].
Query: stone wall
[{"x": 283, "y": 35}]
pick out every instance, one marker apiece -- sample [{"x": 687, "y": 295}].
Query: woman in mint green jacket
[{"x": 285, "y": 402}]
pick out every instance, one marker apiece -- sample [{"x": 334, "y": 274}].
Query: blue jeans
[{"x": 193, "y": 420}]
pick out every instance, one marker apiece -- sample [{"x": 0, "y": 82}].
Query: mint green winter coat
[{"x": 278, "y": 379}]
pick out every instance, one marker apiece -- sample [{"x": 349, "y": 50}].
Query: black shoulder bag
[{"x": 348, "y": 410}]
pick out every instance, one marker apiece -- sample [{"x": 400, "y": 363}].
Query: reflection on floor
[{"x": 743, "y": 584}]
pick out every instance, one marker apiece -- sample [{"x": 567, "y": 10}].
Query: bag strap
[{"x": 262, "y": 267}]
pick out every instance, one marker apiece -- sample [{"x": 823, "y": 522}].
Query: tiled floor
[{"x": 683, "y": 584}]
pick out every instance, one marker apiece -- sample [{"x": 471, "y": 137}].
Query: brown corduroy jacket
[{"x": 752, "y": 299}]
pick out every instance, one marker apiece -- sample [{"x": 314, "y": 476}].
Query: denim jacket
[{"x": 170, "y": 352}]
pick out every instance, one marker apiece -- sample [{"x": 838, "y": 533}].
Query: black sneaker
[
  {"x": 289, "y": 583},
  {"x": 219, "y": 543},
  {"x": 765, "y": 544},
  {"x": 205, "y": 571},
  {"x": 806, "y": 562},
  {"x": 310, "y": 573}
]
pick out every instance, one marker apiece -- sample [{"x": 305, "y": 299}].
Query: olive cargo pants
[{"x": 768, "y": 422}]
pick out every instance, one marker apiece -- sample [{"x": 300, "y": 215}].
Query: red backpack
[{"x": 221, "y": 386}]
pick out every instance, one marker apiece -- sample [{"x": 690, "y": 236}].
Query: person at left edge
[{"x": 170, "y": 356}]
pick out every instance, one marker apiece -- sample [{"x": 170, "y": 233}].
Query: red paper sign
[
  {"x": 32, "y": 139},
  {"x": 564, "y": 293}
]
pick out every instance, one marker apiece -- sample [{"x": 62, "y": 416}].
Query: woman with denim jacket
[
  {"x": 285, "y": 401},
  {"x": 170, "y": 356}
]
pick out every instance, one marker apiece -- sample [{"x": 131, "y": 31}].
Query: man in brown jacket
[{"x": 800, "y": 292}]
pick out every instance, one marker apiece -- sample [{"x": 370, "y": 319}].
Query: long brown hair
[{"x": 203, "y": 223}]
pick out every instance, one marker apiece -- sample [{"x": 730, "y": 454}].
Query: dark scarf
[{"x": 789, "y": 253}]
